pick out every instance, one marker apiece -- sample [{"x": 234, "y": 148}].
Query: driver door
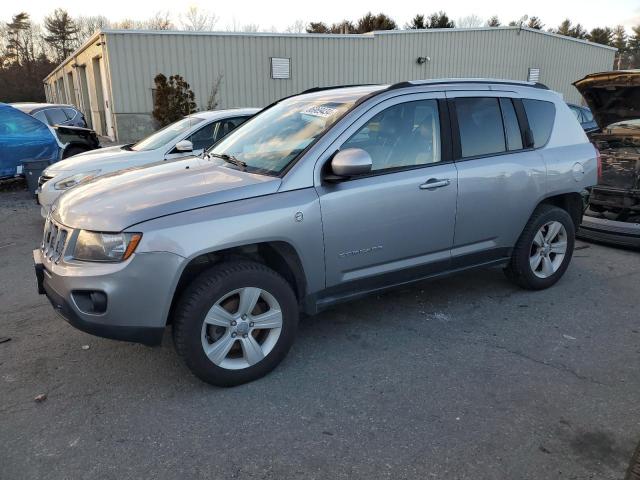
[{"x": 391, "y": 226}]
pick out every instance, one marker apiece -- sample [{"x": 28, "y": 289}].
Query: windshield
[
  {"x": 166, "y": 134},
  {"x": 269, "y": 142}
]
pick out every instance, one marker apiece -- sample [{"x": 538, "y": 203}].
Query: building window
[{"x": 280, "y": 67}]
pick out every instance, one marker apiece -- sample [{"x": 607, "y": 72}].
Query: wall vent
[
  {"x": 280, "y": 67},
  {"x": 534, "y": 75}
]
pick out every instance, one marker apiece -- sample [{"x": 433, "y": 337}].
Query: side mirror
[
  {"x": 351, "y": 162},
  {"x": 184, "y": 146}
]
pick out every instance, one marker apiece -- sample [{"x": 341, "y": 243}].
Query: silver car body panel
[{"x": 116, "y": 201}]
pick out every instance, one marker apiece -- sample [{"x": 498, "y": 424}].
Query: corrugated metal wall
[{"x": 244, "y": 61}]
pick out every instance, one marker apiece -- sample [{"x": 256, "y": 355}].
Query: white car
[{"x": 189, "y": 136}]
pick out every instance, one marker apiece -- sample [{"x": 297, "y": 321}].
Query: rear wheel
[
  {"x": 544, "y": 249},
  {"x": 235, "y": 323}
]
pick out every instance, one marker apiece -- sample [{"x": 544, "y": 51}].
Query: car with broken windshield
[{"x": 323, "y": 197}]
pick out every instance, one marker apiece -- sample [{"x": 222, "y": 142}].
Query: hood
[
  {"x": 114, "y": 202},
  {"x": 104, "y": 159},
  {"x": 612, "y": 96}
]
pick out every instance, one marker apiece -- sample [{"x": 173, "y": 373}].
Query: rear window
[
  {"x": 71, "y": 113},
  {"x": 480, "y": 124},
  {"x": 55, "y": 116},
  {"x": 541, "y": 115}
]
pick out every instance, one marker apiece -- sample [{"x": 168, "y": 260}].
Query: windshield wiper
[{"x": 229, "y": 159}]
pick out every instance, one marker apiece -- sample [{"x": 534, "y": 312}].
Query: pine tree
[
  {"x": 620, "y": 42},
  {"x": 62, "y": 33},
  {"x": 173, "y": 99},
  {"x": 440, "y": 20},
  {"x": 417, "y": 23}
]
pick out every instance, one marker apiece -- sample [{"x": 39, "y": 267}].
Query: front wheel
[
  {"x": 544, "y": 249},
  {"x": 235, "y": 323}
]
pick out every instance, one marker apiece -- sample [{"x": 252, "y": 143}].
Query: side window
[
  {"x": 227, "y": 126},
  {"x": 576, "y": 112},
  {"x": 42, "y": 117},
  {"x": 71, "y": 113},
  {"x": 480, "y": 124},
  {"x": 205, "y": 137},
  {"x": 511, "y": 125},
  {"x": 541, "y": 115},
  {"x": 404, "y": 135},
  {"x": 56, "y": 116},
  {"x": 588, "y": 116}
]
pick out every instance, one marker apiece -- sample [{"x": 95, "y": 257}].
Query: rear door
[
  {"x": 396, "y": 223},
  {"x": 498, "y": 177}
]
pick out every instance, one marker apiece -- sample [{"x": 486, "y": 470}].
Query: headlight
[
  {"x": 74, "y": 180},
  {"x": 105, "y": 247}
]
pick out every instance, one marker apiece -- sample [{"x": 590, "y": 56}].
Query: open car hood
[{"x": 612, "y": 96}]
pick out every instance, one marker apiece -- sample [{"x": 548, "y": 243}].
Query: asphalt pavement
[{"x": 466, "y": 377}]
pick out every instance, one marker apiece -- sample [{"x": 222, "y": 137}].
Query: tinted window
[
  {"x": 204, "y": 138},
  {"x": 401, "y": 136},
  {"x": 480, "y": 124},
  {"x": 588, "y": 116},
  {"x": 511, "y": 125},
  {"x": 541, "y": 115},
  {"x": 225, "y": 127},
  {"x": 56, "y": 116},
  {"x": 41, "y": 116},
  {"x": 71, "y": 113},
  {"x": 576, "y": 112}
]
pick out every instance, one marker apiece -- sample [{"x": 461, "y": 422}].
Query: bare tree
[
  {"x": 470, "y": 21},
  {"x": 297, "y": 27},
  {"x": 90, "y": 24},
  {"x": 160, "y": 21},
  {"x": 212, "y": 102},
  {"x": 195, "y": 19},
  {"x": 129, "y": 24}
]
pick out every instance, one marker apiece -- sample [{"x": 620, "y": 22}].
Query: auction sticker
[{"x": 319, "y": 111}]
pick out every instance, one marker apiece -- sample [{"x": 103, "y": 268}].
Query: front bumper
[
  {"x": 138, "y": 294},
  {"x": 625, "y": 234}
]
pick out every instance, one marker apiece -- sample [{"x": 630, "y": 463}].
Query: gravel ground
[{"x": 466, "y": 377}]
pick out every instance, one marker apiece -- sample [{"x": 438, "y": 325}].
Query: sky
[{"x": 278, "y": 14}]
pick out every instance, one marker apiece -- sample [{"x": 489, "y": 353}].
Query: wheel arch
[
  {"x": 280, "y": 256},
  {"x": 571, "y": 202}
]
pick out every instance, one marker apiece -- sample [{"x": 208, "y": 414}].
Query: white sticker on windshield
[{"x": 319, "y": 111}]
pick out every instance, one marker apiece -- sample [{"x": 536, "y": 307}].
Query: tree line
[{"x": 29, "y": 51}]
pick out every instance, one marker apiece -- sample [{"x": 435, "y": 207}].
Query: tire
[
  {"x": 550, "y": 263},
  {"x": 73, "y": 150},
  {"x": 221, "y": 294}
]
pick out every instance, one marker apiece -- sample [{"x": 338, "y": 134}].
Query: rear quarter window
[{"x": 541, "y": 115}]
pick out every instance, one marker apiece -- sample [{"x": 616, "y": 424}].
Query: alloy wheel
[
  {"x": 548, "y": 249},
  {"x": 241, "y": 328}
]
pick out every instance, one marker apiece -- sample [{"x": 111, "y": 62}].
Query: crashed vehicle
[
  {"x": 613, "y": 213},
  {"x": 24, "y": 138}
]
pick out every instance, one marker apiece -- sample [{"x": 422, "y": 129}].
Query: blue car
[{"x": 24, "y": 138}]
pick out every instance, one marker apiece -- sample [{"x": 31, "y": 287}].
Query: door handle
[{"x": 434, "y": 183}]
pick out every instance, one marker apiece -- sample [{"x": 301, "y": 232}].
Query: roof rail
[
  {"x": 415, "y": 83},
  {"x": 332, "y": 87}
]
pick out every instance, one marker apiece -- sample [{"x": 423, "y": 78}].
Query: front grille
[
  {"x": 43, "y": 179},
  {"x": 54, "y": 240}
]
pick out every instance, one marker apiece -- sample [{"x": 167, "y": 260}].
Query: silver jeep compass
[{"x": 320, "y": 198}]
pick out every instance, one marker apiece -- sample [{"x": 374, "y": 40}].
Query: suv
[{"x": 322, "y": 197}]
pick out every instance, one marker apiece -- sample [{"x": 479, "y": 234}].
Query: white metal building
[{"x": 110, "y": 78}]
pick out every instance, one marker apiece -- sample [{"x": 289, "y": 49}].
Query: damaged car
[{"x": 613, "y": 213}]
